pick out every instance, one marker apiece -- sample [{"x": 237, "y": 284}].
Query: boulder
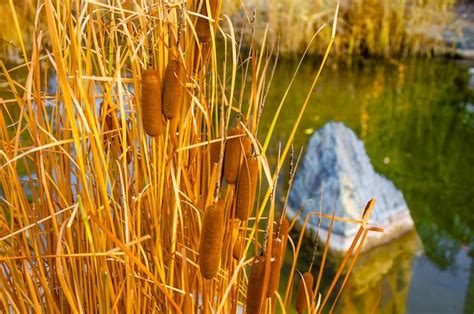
[{"x": 337, "y": 164}]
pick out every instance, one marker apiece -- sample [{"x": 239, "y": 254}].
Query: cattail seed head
[
  {"x": 247, "y": 146},
  {"x": 284, "y": 228},
  {"x": 233, "y": 152},
  {"x": 237, "y": 250},
  {"x": 284, "y": 231},
  {"x": 256, "y": 286},
  {"x": 203, "y": 30},
  {"x": 108, "y": 126},
  {"x": 173, "y": 88},
  {"x": 210, "y": 244},
  {"x": 275, "y": 266},
  {"x": 151, "y": 103},
  {"x": 215, "y": 151},
  {"x": 304, "y": 292},
  {"x": 246, "y": 188},
  {"x": 201, "y": 56}
]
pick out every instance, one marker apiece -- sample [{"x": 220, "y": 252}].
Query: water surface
[{"x": 416, "y": 118}]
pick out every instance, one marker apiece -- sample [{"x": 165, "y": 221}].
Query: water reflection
[{"x": 381, "y": 278}]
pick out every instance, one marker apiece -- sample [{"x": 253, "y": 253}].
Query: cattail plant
[
  {"x": 246, "y": 188},
  {"x": 173, "y": 88},
  {"x": 210, "y": 245},
  {"x": 214, "y": 151},
  {"x": 237, "y": 249},
  {"x": 278, "y": 256},
  {"x": 233, "y": 153},
  {"x": 277, "y": 253},
  {"x": 304, "y": 292},
  {"x": 203, "y": 25},
  {"x": 256, "y": 288},
  {"x": 152, "y": 116}
]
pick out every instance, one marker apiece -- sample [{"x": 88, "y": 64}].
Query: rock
[{"x": 336, "y": 163}]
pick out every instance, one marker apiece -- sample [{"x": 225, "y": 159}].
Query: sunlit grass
[
  {"x": 366, "y": 27},
  {"x": 96, "y": 215}
]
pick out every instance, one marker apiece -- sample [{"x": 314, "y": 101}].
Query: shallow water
[{"x": 416, "y": 118}]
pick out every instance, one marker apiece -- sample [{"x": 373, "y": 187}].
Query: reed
[
  {"x": 173, "y": 88},
  {"x": 210, "y": 245},
  {"x": 152, "y": 116},
  {"x": 246, "y": 188}
]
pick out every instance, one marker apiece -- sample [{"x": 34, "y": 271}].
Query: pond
[{"x": 416, "y": 119}]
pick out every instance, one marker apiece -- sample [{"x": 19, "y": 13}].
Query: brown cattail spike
[
  {"x": 215, "y": 151},
  {"x": 173, "y": 88},
  {"x": 276, "y": 262},
  {"x": 304, "y": 292},
  {"x": 203, "y": 30},
  {"x": 246, "y": 188},
  {"x": 233, "y": 151},
  {"x": 237, "y": 250},
  {"x": 256, "y": 286},
  {"x": 151, "y": 103},
  {"x": 284, "y": 228},
  {"x": 210, "y": 245},
  {"x": 247, "y": 146}
]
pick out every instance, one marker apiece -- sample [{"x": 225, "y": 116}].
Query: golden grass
[
  {"x": 96, "y": 215},
  {"x": 365, "y": 27}
]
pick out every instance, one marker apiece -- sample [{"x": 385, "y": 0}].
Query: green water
[{"x": 416, "y": 118}]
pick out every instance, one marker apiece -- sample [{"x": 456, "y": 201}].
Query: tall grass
[
  {"x": 97, "y": 216},
  {"x": 365, "y": 27}
]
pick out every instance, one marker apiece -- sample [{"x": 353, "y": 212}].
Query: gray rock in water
[{"x": 336, "y": 163}]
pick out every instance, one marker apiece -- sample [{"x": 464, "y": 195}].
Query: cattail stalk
[
  {"x": 210, "y": 244},
  {"x": 152, "y": 117},
  {"x": 173, "y": 88},
  {"x": 246, "y": 188},
  {"x": 304, "y": 292}
]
